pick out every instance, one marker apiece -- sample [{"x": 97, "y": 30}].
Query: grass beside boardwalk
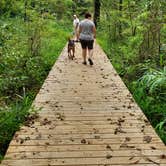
[
  {"x": 10, "y": 121},
  {"x": 22, "y": 73}
]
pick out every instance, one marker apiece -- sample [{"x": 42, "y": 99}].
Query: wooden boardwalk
[{"x": 88, "y": 118}]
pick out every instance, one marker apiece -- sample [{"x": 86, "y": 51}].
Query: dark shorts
[{"x": 87, "y": 44}]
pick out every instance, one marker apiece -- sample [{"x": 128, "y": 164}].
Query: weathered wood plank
[
  {"x": 110, "y": 130},
  {"x": 88, "y": 161},
  {"x": 79, "y": 136},
  {"x": 91, "y": 141},
  {"x": 86, "y": 147},
  {"x": 85, "y": 154}
]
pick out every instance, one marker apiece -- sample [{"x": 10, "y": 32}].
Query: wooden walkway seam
[{"x": 88, "y": 118}]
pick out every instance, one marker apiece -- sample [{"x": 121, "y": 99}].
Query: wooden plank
[
  {"x": 92, "y": 114},
  {"x": 87, "y": 128},
  {"x": 73, "y": 130},
  {"x": 59, "y": 121},
  {"x": 81, "y": 136},
  {"x": 91, "y": 141},
  {"x": 73, "y": 161},
  {"x": 86, "y": 122},
  {"x": 92, "y": 118},
  {"x": 76, "y": 112},
  {"x": 85, "y": 154},
  {"x": 113, "y": 109},
  {"x": 85, "y": 147}
]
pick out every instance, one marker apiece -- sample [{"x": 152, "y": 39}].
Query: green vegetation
[
  {"x": 150, "y": 92},
  {"x": 133, "y": 35},
  {"x": 11, "y": 119}
]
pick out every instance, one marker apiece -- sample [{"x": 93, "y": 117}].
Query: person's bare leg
[
  {"x": 90, "y": 53},
  {"x": 90, "y": 56},
  {"x": 84, "y": 56},
  {"x": 75, "y": 34}
]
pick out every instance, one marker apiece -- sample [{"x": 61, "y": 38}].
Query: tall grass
[
  {"x": 10, "y": 120},
  {"x": 54, "y": 39}
]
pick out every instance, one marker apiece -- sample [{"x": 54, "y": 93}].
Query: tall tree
[
  {"x": 96, "y": 11},
  {"x": 25, "y": 10},
  {"x": 150, "y": 47},
  {"x": 120, "y": 11}
]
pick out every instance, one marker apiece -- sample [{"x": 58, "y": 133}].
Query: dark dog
[{"x": 71, "y": 48}]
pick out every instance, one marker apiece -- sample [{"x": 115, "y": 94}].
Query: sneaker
[
  {"x": 90, "y": 61},
  {"x": 84, "y": 63}
]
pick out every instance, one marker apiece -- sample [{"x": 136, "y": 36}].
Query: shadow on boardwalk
[{"x": 88, "y": 118}]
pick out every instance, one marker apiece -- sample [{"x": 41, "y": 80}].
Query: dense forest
[{"x": 33, "y": 33}]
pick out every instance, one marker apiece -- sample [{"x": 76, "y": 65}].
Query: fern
[
  {"x": 150, "y": 93},
  {"x": 161, "y": 129},
  {"x": 154, "y": 82}
]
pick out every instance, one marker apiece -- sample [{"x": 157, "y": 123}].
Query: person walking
[
  {"x": 86, "y": 35},
  {"x": 75, "y": 25}
]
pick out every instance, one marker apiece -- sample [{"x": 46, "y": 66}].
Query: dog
[{"x": 71, "y": 48}]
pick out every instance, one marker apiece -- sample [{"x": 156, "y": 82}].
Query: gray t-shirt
[{"x": 86, "y": 30}]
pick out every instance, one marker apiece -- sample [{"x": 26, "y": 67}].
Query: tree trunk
[
  {"x": 25, "y": 11},
  {"x": 96, "y": 11},
  {"x": 151, "y": 44},
  {"x": 120, "y": 11}
]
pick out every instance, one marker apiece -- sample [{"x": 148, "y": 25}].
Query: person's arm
[
  {"x": 77, "y": 24},
  {"x": 79, "y": 31},
  {"x": 94, "y": 31}
]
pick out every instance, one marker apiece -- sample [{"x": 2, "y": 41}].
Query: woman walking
[
  {"x": 87, "y": 34},
  {"x": 75, "y": 25}
]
